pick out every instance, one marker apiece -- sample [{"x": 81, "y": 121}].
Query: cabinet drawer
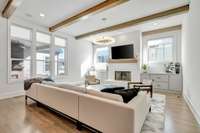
[
  {"x": 160, "y": 78},
  {"x": 160, "y": 85}
]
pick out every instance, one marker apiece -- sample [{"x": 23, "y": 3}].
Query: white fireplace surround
[{"x": 133, "y": 68}]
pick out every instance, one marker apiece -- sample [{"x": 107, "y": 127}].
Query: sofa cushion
[
  {"x": 67, "y": 86},
  {"x": 105, "y": 95}
]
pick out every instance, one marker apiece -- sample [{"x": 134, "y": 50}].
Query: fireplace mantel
[{"x": 133, "y": 60}]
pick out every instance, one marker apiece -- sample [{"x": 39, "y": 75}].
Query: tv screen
[{"x": 122, "y": 52}]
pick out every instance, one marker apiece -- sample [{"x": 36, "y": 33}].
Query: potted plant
[{"x": 145, "y": 68}]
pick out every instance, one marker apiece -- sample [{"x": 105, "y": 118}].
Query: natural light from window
[
  {"x": 101, "y": 57},
  {"x": 160, "y": 50},
  {"x": 20, "y": 53},
  {"x": 60, "y": 51}
]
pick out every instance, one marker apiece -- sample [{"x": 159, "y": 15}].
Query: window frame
[
  {"x": 24, "y": 27},
  {"x": 50, "y": 55},
  {"x": 66, "y": 56},
  {"x": 10, "y": 59},
  {"x": 176, "y": 34},
  {"x": 95, "y": 55},
  {"x": 34, "y": 42},
  {"x": 42, "y": 32},
  {"x": 173, "y": 49},
  {"x": 100, "y": 65}
]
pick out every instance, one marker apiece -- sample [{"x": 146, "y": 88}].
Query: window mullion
[
  {"x": 52, "y": 56},
  {"x": 33, "y": 62}
]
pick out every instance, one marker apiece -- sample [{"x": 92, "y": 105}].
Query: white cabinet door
[
  {"x": 159, "y": 77},
  {"x": 145, "y": 76},
  {"x": 175, "y": 82},
  {"x": 160, "y": 85}
]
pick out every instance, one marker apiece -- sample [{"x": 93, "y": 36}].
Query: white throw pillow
[{"x": 109, "y": 96}]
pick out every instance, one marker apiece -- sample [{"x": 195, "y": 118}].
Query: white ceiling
[
  {"x": 57, "y": 10},
  {"x": 54, "y": 10},
  {"x": 147, "y": 26}
]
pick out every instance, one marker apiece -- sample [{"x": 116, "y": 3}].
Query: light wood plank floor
[
  {"x": 179, "y": 118},
  {"x": 15, "y": 117}
]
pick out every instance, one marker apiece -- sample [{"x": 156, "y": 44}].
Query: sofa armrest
[
  {"x": 32, "y": 91},
  {"x": 141, "y": 106}
]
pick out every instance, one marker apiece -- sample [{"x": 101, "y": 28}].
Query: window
[
  {"x": 60, "y": 53},
  {"x": 21, "y": 33},
  {"x": 43, "y": 54},
  {"x": 43, "y": 38},
  {"x": 101, "y": 58},
  {"x": 160, "y": 50},
  {"x": 20, "y": 53},
  {"x": 102, "y": 55},
  {"x": 23, "y": 46}
]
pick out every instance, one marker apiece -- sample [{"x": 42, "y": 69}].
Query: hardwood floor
[
  {"x": 179, "y": 118},
  {"x": 15, "y": 117}
]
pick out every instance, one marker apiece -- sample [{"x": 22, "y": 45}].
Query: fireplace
[{"x": 123, "y": 75}]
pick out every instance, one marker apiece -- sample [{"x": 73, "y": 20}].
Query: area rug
[{"x": 155, "y": 119}]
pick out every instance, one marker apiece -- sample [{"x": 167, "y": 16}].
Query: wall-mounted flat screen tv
[{"x": 122, "y": 52}]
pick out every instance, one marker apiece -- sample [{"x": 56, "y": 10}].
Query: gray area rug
[{"x": 155, "y": 120}]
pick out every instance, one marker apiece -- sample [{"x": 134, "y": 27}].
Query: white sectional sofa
[{"x": 102, "y": 114}]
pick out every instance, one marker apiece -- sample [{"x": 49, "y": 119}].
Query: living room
[{"x": 99, "y": 66}]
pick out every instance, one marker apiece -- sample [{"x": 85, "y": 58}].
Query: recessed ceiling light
[
  {"x": 28, "y": 15},
  {"x": 155, "y": 24},
  {"x": 104, "y": 19},
  {"x": 42, "y": 15},
  {"x": 84, "y": 17}
]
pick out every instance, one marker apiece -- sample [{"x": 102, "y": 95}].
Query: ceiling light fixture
[
  {"x": 28, "y": 15},
  {"x": 42, "y": 15},
  {"x": 104, "y": 40},
  {"x": 104, "y": 19},
  {"x": 84, "y": 17},
  {"x": 155, "y": 24}
]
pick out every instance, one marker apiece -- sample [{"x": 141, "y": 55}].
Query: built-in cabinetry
[{"x": 164, "y": 82}]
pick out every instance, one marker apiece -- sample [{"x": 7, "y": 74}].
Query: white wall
[
  {"x": 6, "y": 90},
  {"x": 190, "y": 58},
  {"x": 79, "y": 58},
  {"x": 159, "y": 67}
]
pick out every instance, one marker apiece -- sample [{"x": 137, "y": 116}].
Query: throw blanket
[
  {"x": 29, "y": 82},
  {"x": 127, "y": 94}
]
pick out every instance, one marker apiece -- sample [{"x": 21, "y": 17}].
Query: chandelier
[{"x": 104, "y": 40}]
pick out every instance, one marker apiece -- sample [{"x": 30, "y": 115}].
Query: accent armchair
[
  {"x": 91, "y": 80},
  {"x": 142, "y": 86}
]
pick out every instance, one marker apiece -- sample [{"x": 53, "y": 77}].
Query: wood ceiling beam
[
  {"x": 10, "y": 7},
  {"x": 93, "y": 10},
  {"x": 166, "y": 13},
  {"x": 167, "y": 29}
]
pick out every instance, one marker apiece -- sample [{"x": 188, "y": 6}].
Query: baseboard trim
[
  {"x": 12, "y": 94},
  {"x": 196, "y": 115}
]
